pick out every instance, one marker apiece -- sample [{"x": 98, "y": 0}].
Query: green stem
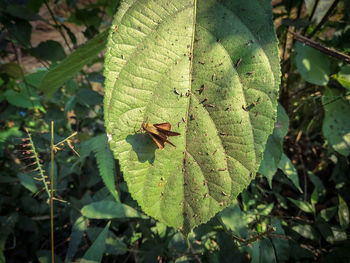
[
  {"x": 51, "y": 196},
  {"x": 70, "y": 136}
]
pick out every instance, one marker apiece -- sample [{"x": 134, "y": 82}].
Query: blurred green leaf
[
  {"x": 233, "y": 219},
  {"x": 312, "y": 65},
  {"x": 114, "y": 245},
  {"x": 11, "y": 132},
  {"x": 314, "y": 197},
  {"x": 178, "y": 243},
  {"x": 343, "y": 213},
  {"x": 95, "y": 252},
  {"x": 88, "y": 97},
  {"x": 306, "y": 231},
  {"x": 12, "y": 69},
  {"x": 265, "y": 209},
  {"x": 44, "y": 256},
  {"x": 317, "y": 182},
  {"x": 328, "y": 213},
  {"x": 23, "y": 12},
  {"x": 336, "y": 123},
  {"x": 289, "y": 170},
  {"x": 280, "y": 244},
  {"x": 49, "y": 50},
  {"x": 304, "y": 206},
  {"x": 339, "y": 235},
  {"x": 72, "y": 64},
  {"x": 25, "y": 98},
  {"x": 324, "y": 228},
  {"x": 80, "y": 225},
  {"x": 274, "y": 147},
  {"x": 20, "y": 32},
  {"x": 28, "y": 182},
  {"x": 35, "y": 78},
  {"x": 267, "y": 251},
  {"x": 109, "y": 210},
  {"x": 343, "y": 76}
]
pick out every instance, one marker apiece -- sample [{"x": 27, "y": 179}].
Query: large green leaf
[{"x": 211, "y": 68}]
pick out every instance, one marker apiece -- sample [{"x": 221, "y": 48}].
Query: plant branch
[
  {"x": 330, "y": 52},
  {"x": 63, "y": 141}
]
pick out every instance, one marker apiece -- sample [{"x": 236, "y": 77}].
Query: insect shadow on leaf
[{"x": 143, "y": 146}]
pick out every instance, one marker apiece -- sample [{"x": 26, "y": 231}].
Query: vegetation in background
[{"x": 296, "y": 208}]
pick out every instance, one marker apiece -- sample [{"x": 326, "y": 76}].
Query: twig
[
  {"x": 330, "y": 52},
  {"x": 311, "y": 15},
  {"x": 324, "y": 19}
]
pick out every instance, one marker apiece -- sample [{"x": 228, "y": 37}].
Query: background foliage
[{"x": 295, "y": 210}]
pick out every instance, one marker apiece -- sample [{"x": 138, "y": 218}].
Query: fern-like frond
[
  {"x": 104, "y": 158},
  {"x": 37, "y": 163}
]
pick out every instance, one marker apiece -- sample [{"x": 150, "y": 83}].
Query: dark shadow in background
[{"x": 144, "y": 147}]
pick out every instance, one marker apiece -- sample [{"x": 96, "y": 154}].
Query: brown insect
[{"x": 159, "y": 133}]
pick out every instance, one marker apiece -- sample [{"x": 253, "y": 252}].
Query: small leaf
[
  {"x": 304, "y": 206},
  {"x": 49, "y": 50},
  {"x": 317, "y": 182},
  {"x": 289, "y": 170},
  {"x": 314, "y": 197},
  {"x": 274, "y": 146},
  {"x": 336, "y": 123},
  {"x": 72, "y": 64},
  {"x": 328, "y": 213},
  {"x": 109, "y": 210},
  {"x": 28, "y": 182},
  {"x": 265, "y": 209},
  {"x": 343, "y": 213},
  {"x": 95, "y": 252},
  {"x": 312, "y": 65},
  {"x": 343, "y": 76}
]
